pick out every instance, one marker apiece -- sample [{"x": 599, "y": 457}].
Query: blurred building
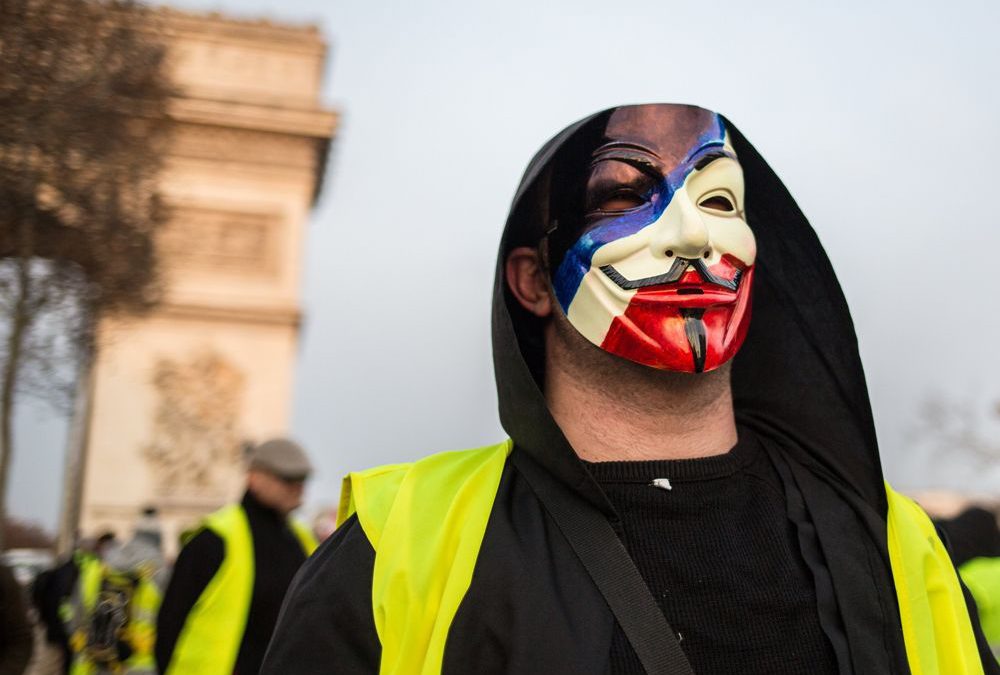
[{"x": 175, "y": 395}]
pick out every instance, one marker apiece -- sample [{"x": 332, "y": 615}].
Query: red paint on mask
[{"x": 652, "y": 330}]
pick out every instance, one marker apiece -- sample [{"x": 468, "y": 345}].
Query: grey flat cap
[{"x": 282, "y": 457}]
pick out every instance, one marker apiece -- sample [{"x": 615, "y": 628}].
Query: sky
[{"x": 881, "y": 118}]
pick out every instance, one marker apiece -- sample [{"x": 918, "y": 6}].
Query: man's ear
[{"x": 528, "y": 281}]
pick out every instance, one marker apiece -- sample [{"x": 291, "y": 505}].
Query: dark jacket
[
  {"x": 50, "y": 591},
  {"x": 278, "y": 555},
  {"x": 798, "y": 385},
  {"x": 15, "y": 629}
]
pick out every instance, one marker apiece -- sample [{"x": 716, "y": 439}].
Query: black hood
[{"x": 798, "y": 377}]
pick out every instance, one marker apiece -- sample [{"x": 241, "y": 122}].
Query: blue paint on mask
[{"x": 577, "y": 261}]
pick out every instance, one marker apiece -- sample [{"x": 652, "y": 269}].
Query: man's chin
[{"x": 680, "y": 344}]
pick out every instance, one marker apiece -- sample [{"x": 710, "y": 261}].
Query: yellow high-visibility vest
[
  {"x": 210, "y": 640},
  {"x": 426, "y": 522},
  {"x": 982, "y": 578},
  {"x": 936, "y": 624},
  {"x": 140, "y": 631}
]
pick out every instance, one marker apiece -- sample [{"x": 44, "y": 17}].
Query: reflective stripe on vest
[
  {"x": 426, "y": 522},
  {"x": 210, "y": 640}
]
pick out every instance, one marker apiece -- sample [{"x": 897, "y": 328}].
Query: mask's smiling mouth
[{"x": 676, "y": 273}]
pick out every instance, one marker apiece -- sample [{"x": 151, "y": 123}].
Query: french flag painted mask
[{"x": 662, "y": 267}]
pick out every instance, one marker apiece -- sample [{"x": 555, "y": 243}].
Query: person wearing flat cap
[{"x": 230, "y": 578}]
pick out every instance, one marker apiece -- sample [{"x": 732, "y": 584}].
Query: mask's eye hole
[
  {"x": 621, "y": 200},
  {"x": 719, "y": 203}
]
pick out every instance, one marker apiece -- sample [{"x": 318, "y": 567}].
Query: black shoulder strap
[{"x": 613, "y": 571}]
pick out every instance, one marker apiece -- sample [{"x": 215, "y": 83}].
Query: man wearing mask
[
  {"x": 683, "y": 490},
  {"x": 230, "y": 578}
]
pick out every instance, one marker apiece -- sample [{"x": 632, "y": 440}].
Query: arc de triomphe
[{"x": 173, "y": 395}]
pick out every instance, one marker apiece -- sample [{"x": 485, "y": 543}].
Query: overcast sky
[{"x": 882, "y": 121}]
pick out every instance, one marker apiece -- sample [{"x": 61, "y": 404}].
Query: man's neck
[
  {"x": 612, "y": 410},
  {"x": 252, "y": 501}
]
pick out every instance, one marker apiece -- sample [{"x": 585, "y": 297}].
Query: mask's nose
[{"x": 680, "y": 231}]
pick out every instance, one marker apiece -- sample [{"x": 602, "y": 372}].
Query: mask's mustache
[{"x": 673, "y": 275}]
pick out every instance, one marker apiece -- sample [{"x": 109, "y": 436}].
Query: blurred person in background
[
  {"x": 683, "y": 490},
  {"x": 147, "y": 531},
  {"x": 113, "y": 608},
  {"x": 973, "y": 533},
  {"x": 52, "y": 593},
  {"x": 974, "y": 541},
  {"x": 15, "y": 626},
  {"x": 324, "y": 523},
  {"x": 231, "y": 576}
]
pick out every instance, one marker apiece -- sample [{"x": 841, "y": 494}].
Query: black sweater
[
  {"x": 278, "y": 555},
  {"x": 722, "y": 560},
  {"x": 532, "y": 609}
]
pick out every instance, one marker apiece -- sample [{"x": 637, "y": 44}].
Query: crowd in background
[{"x": 118, "y": 606}]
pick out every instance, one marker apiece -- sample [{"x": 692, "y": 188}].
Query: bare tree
[
  {"x": 83, "y": 96},
  {"x": 959, "y": 426}
]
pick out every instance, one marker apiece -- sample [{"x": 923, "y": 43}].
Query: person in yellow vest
[
  {"x": 113, "y": 608},
  {"x": 974, "y": 538},
  {"x": 53, "y": 594},
  {"x": 684, "y": 490},
  {"x": 982, "y": 576},
  {"x": 230, "y": 578}
]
